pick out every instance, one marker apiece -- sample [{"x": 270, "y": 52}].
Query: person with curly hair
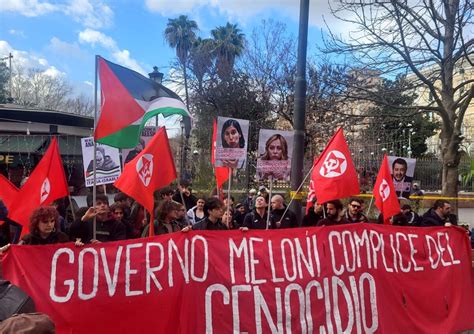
[{"x": 44, "y": 223}]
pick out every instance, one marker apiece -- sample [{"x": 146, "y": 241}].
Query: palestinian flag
[{"x": 128, "y": 100}]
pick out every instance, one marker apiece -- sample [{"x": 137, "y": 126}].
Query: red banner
[{"x": 357, "y": 278}]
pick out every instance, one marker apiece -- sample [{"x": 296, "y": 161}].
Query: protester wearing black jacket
[
  {"x": 278, "y": 217},
  {"x": 438, "y": 215},
  {"x": 334, "y": 214},
  {"x": 189, "y": 199},
  {"x": 107, "y": 227},
  {"x": 214, "y": 210},
  {"x": 314, "y": 215},
  {"x": 257, "y": 219}
]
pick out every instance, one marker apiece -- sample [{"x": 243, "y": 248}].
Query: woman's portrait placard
[
  {"x": 147, "y": 133},
  {"x": 231, "y": 142},
  {"x": 274, "y": 154},
  {"x": 402, "y": 170},
  {"x": 107, "y": 162}
]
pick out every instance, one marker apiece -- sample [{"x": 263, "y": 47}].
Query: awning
[
  {"x": 38, "y": 144},
  {"x": 22, "y": 144}
]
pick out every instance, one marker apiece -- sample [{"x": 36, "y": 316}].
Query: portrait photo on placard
[
  {"x": 128, "y": 154},
  {"x": 231, "y": 142},
  {"x": 275, "y": 149},
  {"x": 107, "y": 161},
  {"x": 402, "y": 170}
]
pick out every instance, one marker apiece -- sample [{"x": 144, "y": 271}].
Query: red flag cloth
[
  {"x": 222, "y": 173},
  {"x": 151, "y": 169},
  {"x": 46, "y": 183},
  {"x": 334, "y": 174},
  {"x": 8, "y": 191},
  {"x": 384, "y": 192}
]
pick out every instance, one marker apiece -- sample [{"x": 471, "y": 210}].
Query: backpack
[{"x": 13, "y": 300}]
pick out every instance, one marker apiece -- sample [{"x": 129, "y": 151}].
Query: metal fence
[{"x": 427, "y": 173}]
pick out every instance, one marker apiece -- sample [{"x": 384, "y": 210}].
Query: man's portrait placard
[
  {"x": 275, "y": 149},
  {"x": 402, "y": 170},
  {"x": 231, "y": 142},
  {"x": 107, "y": 162},
  {"x": 147, "y": 133}
]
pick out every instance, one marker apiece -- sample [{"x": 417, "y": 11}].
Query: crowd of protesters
[{"x": 179, "y": 210}]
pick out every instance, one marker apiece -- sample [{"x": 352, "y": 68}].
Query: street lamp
[
  {"x": 409, "y": 125},
  {"x": 156, "y": 75}
]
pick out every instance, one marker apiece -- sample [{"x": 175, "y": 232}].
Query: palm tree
[
  {"x": 200, "y": 61},
  {"x": 229, "y": 44},
  {"x": 180, "y": 33}
]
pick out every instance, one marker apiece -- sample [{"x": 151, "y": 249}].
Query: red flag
[
  {"x": 8, "y": 191},
  {"x": 384, "y": 192},
  {"x": 151, "y": 169},
  {"x": 222, "y": 173},
  {"x": 46, "y": 183},
  {"x": 334, "y": 174}
]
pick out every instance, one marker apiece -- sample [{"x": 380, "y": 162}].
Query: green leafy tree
[
  {"x": 396, "y": 121},
  {"x": 429, "y": 40}
]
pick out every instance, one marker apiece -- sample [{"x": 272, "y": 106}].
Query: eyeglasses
[{"x": 355, "y": 206}]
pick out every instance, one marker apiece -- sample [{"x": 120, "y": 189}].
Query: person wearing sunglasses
[{"x": 354, "y": 212}]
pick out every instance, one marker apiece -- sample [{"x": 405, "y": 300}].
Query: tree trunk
[
  {"x": 184, "y": 157},
  {"x": 450, "y": 158}
]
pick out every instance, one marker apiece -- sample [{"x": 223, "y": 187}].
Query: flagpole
[
  {"x": 269, "y": 204},
  {"x": 94, "y": 164},
  {"x": 297, "y": 191},
  {"x": 72, "y": 207},
  {"x": 370, "y": 205},
  {"x": 151, "y": 225},
  {"x": 228, "y": 188}
]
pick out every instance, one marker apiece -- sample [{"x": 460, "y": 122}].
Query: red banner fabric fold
[
  {"x": 151, "y": 169},
  {"x": 334, "y": 174},
  {"x": 386, "y": 198},
  {"x": 357, "y": 278},
  {"x": 46, "y": 183}
]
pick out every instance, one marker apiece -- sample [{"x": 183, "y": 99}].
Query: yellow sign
[
  {"x": 6, "y": 159},
  {"x": 298, "y": 195},
  {"x": 428, "y": 197}
]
